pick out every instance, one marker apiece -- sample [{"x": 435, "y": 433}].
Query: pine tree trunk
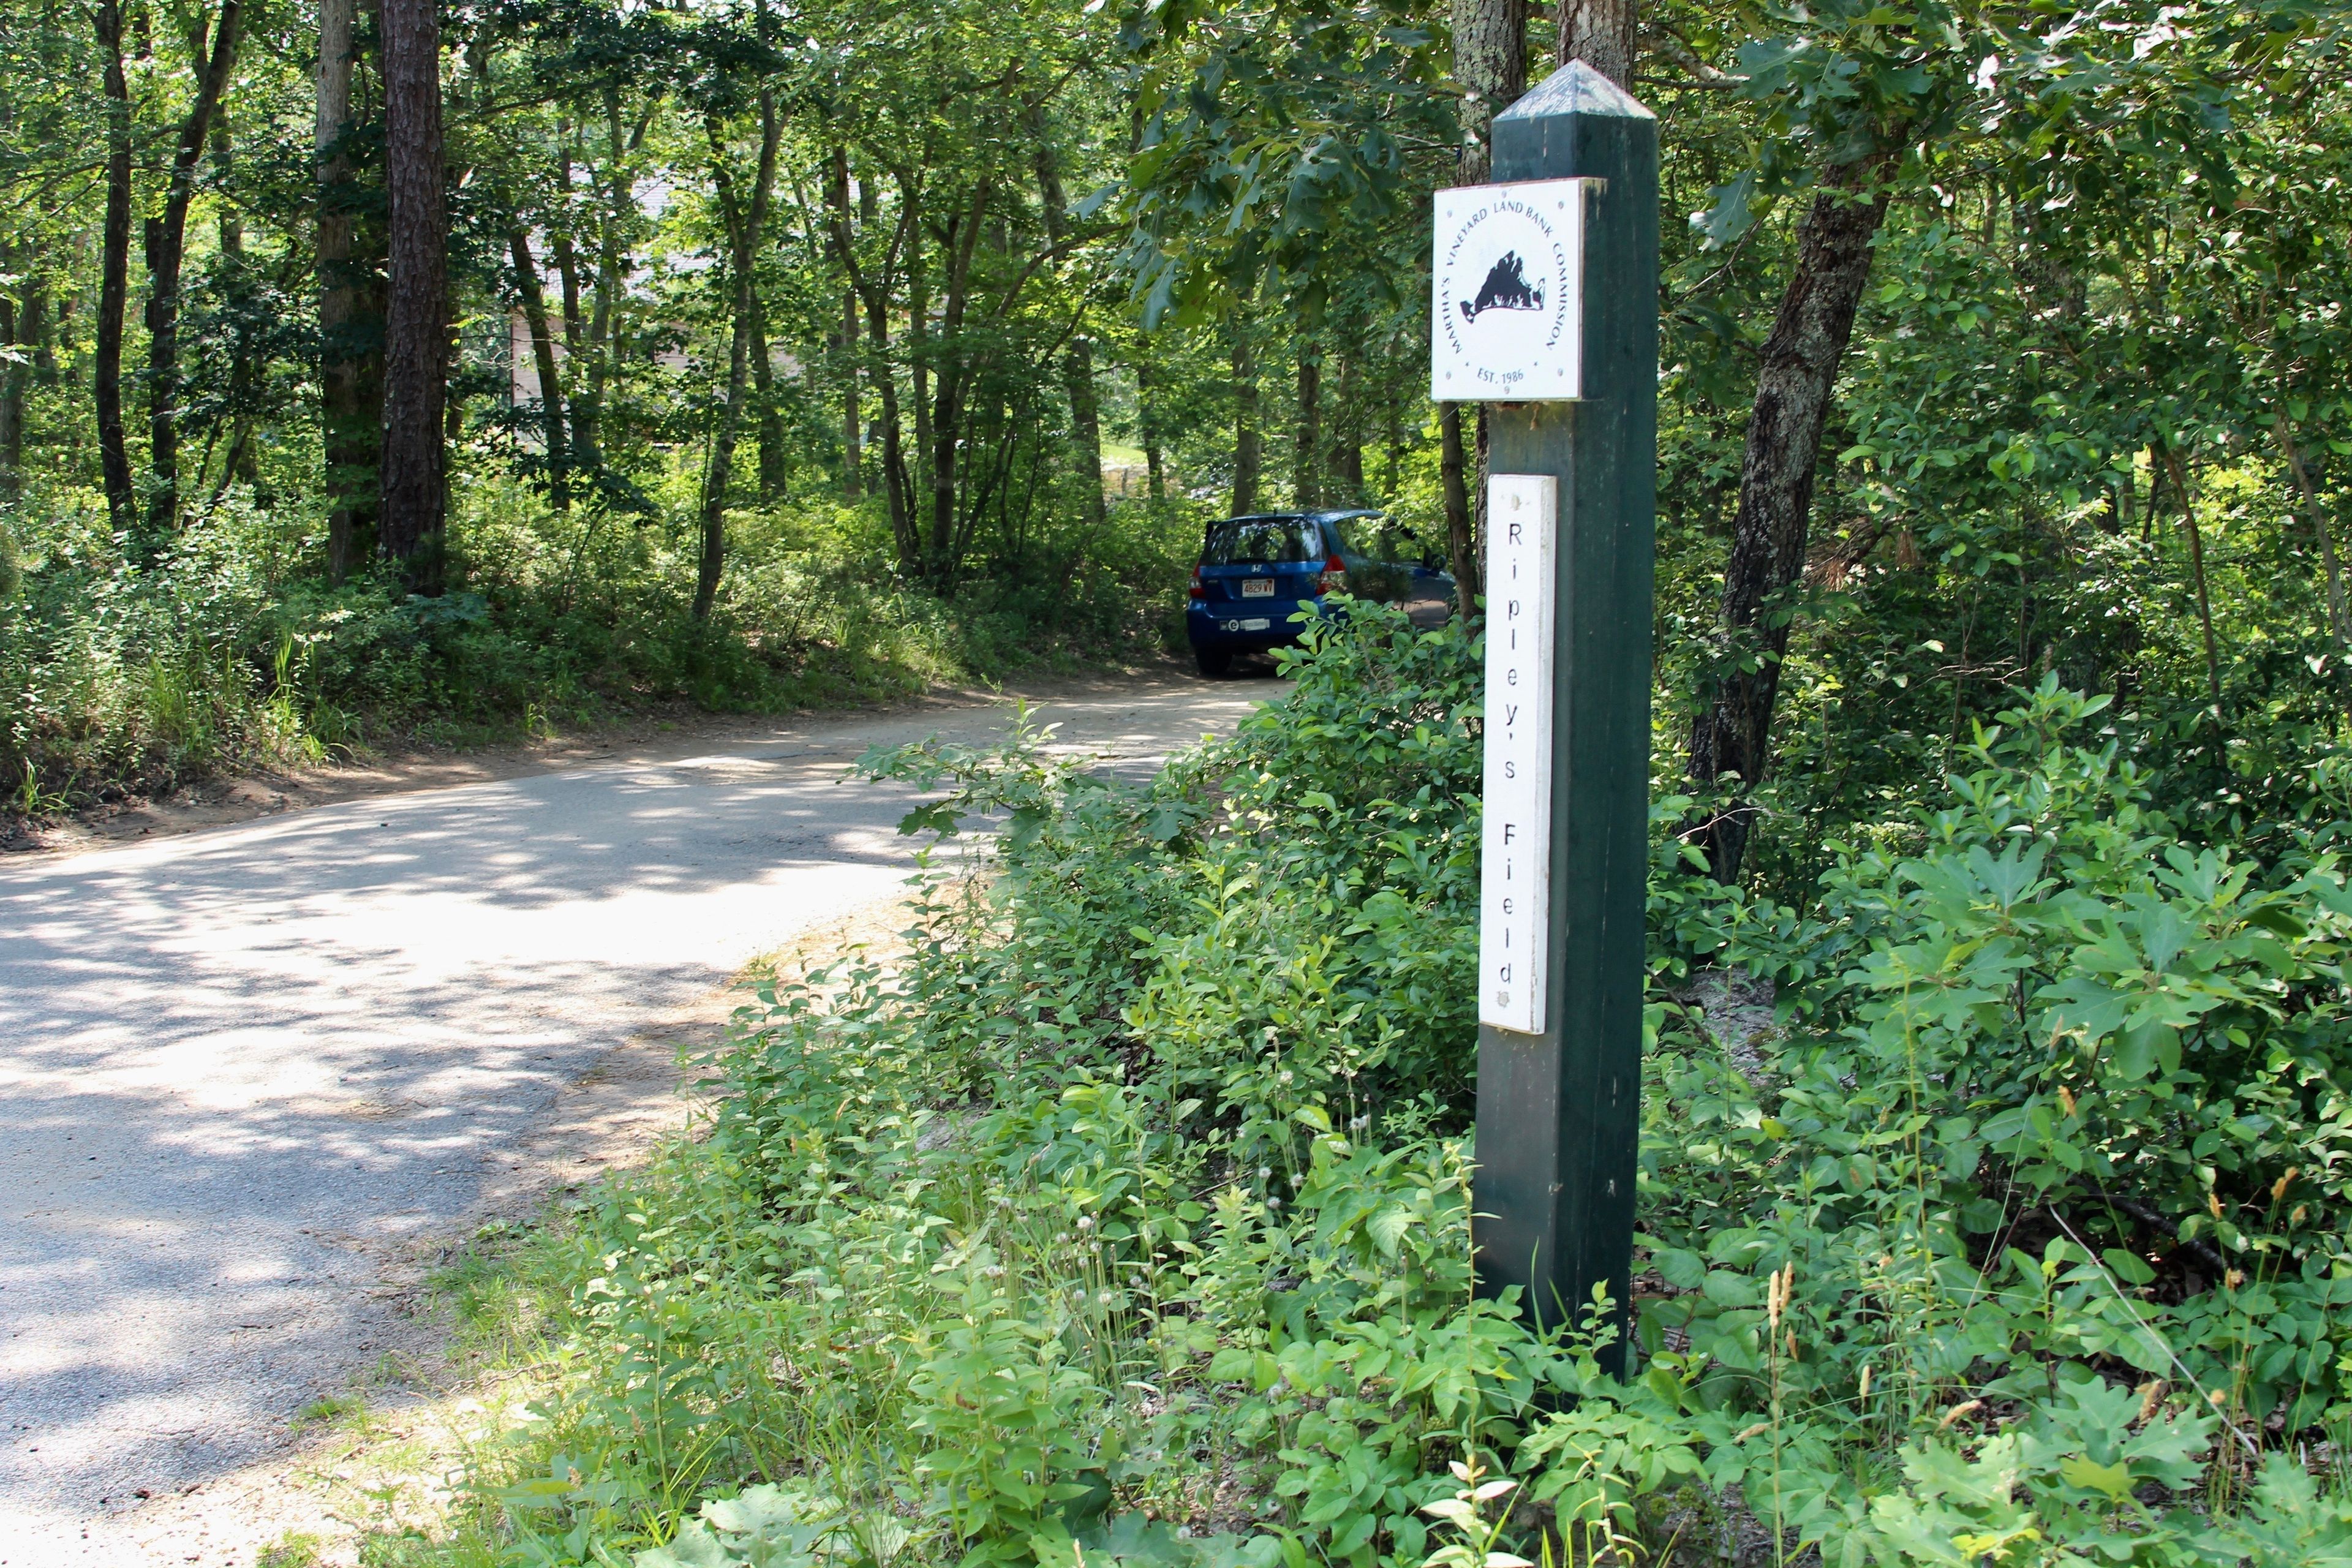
[
  {"x": 413, "y": 493},
  {"x": 114, "y": 276},
  {"x": 1799, "y": 368},
  {"x": 351, "y": 384}
]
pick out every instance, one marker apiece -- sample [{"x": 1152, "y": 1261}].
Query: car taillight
[
  {"x": 1199, "y": 592},
  {"x": 1333, "y": 579}
]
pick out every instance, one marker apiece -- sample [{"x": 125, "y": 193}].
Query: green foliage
[
  {"x": 1134, "y": 1200},
  {"x": 228, "y": 651}
]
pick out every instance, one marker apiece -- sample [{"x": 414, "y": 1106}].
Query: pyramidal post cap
[{"x": 1575, "y": 88}]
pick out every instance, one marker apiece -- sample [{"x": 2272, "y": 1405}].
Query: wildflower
[
  {"x": 1085, "y": 1222},
  {"x": 1286, "y": 1075}
]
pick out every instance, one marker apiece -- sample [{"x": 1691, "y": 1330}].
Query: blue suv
[{"x": 1255, "y": 572}]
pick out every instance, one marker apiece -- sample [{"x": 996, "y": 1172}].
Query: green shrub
[
  {"x": 231, "y": 650},
  {"x": 1135, "y": 1197}
]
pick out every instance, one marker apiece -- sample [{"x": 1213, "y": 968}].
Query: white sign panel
[
  {"x": 1515, "y": 870},
  {"x": 1507, "y": 287}
]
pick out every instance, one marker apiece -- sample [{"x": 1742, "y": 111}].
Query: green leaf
[{"x": 2114, "y": 1480}]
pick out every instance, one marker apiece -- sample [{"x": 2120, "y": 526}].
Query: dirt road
[{"x": 243, "y": 1072}]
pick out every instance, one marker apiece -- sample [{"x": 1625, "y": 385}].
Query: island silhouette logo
[
  {"x": 1506, "y": 291},
  {"x": 1506, "y": 288}
]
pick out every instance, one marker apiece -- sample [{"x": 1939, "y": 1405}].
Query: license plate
[
  {"x": 1259, "y": 624},
  {"x": 1257, "y": 587}
]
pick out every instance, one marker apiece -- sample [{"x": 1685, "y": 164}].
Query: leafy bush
[
  {"x": 230, "y": 650},
  {"x": 1135, "y": 1199}
]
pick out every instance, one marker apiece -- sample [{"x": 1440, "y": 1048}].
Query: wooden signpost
[{"x": 1545, "y": 304}]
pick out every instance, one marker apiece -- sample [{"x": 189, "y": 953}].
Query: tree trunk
[
  {"x": 413, "y": 493},
  {"x": 1768, "y": 528},
  {"x": 1490, "y": 53},
  {"x": 896, "y": 485},
  {"x": 578, "y": 415},
  {"x": 1079, "y": 363},
  {"x": 2182, "y": 493},
  {"x": 604, "y": 324},
  {"x": 1147, "y": 413},
  {"x": 919, "y": 348},
  {"x": 351, "y": 379},
  {"x": 1461, "y": 538},
  {"x": 954, "y": 374},
  {"x": 1601, "y": 34},
  {"x": 245, "y": 369},
  {"x": 764, "y": 384},
  {"x": 853, "y": 459},
  {"x": 2338, "y": 620},
  {"x": 1306, "y": 457},
  {"x": 1344, "y": 466},
  {"x": 28, "y": 329},
  {"x": 1245, "y": 436},
  {"x": 542, "y": 356},
  {"x": 12, "y": 403},
  {"x": 746, "y": 221},
  {"x": 166, "y": 249},
  {"x": 114, "y": 276}
]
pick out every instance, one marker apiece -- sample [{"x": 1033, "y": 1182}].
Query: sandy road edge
[
  {"x": 249, "y": 795},
  {"x": 389, "y": 1458}
]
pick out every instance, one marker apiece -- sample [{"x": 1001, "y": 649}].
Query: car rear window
[{"x": 1270, "y": 541}]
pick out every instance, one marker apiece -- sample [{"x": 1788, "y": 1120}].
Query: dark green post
[{"x": 1560, "y": 1112}]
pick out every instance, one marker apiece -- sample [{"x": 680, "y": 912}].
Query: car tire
[{"x": 1215, "y": 663}]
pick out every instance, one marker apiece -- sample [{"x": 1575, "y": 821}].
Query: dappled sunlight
[{"x": 243, "y": 1068}]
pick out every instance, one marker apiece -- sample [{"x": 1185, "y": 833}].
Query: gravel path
[{"x": 242, "y": 1070}]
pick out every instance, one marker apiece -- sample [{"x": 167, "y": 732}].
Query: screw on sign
[{"x": 1544, "y": 305}]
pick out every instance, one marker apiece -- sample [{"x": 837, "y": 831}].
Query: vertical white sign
[{"x": 1514, "y": 871}]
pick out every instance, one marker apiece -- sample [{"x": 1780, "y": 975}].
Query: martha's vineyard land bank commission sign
[{"x": 1508, "y": 283}]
